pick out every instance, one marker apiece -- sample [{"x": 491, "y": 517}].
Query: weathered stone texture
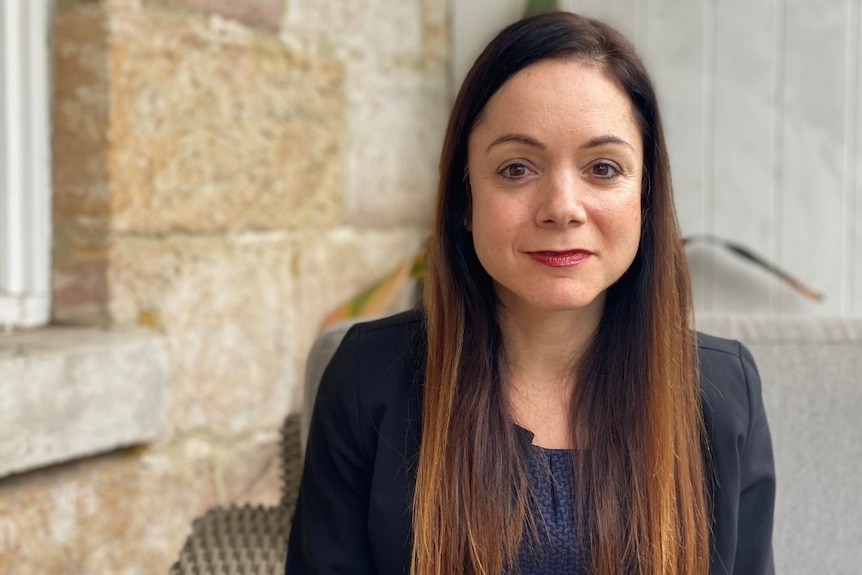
[
  {"x": 79, "y": 118},
  {"x": 224, "y": 305},
  {"x": 210, "y": 131},
  {"x": 332, "y": 267},
  {"x": 252, "y": 472},
  {"x": 79, "y": 279},
  {"x": 79, "y": 140},
  {"x": 396, "y": 123},
  {"x": 103, "y": 389},
  {"x": 435, "y": 36},
  {"x": 120, "y": 514},
  {"x": 383, "y": 29},
  {"x": 60, "y": 5},
  {"x": 227, "y": 187},
  {"x": 259, "y": 13}
]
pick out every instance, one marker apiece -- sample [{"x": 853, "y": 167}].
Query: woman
[{"x": 549, "y": 411}]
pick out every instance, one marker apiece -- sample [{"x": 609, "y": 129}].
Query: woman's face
[{"x": 555, "y": 164}]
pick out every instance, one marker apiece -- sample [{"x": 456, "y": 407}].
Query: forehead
[{"x": 560, "y": 94}]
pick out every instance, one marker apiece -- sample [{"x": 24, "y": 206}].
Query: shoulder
[
  {"x": 733, "y": 410},
  {"x": 727, "y": 368},
  {"x": 407, "y": 324},
  {"x": 373, "y": 379},
  {"x": 376, "y": 347},
  {"x": 378, "y": 361},
  {"x": 371, "y": 346},
  {"x": 730, "y": 389},
  {"x": 718, "y": 350},
  {"x": 741, "y": 468}
]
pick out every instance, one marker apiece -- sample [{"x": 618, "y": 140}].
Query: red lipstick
[{"x": 560, "y": 259}]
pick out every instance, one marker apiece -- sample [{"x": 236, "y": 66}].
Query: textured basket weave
[{"x": 247, "y": 540}]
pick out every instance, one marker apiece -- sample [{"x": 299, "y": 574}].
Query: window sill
[{"x": 70, "y": 392}]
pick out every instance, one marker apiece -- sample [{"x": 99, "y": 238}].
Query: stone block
[
  {"x": 70, "y": 392},
  {"x": 60, "y": 5},
  {"x": 126, "y": 513},
  {"x": 380, "y": 30},
  {"x": 81, "y": 203},
  {"x": 215, "y": 129},
  {"x": 79, "y": 119},
  {"x": 257, "y": 13},
  {"x": 335, "y": 266},
  {"x": 252, "y": 472},
  {"x": 79, "y": 279},
  {"x": 435, "y": 31},
  {"x": 224, "y": 305},
  {"x": 396, "y": 123}
]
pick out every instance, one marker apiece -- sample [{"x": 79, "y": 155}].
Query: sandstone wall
[{"x": 225, "y": 172}]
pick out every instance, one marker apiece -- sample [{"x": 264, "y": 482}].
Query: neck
[
  {"x": 542, "y": 349},
  {"x": 541, "y": 353}
]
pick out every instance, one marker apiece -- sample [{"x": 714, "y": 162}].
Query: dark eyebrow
[
  {"x": 521, "y": 138},
  {"x": 605, "y": 140},
  {"x": 594, "y": 143}
]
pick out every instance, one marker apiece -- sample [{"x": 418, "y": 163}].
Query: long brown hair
[{"x": 642, "y": 494}]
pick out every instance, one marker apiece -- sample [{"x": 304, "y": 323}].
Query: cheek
[
  {"x": 634, "y": 227},
  {"x": 626, "y": 225},
  {"x": 632, "y": 216},
  {"x": 495, "y": 232},
  {"x": 492, "y": 216},
  {"x": 488, "y": 234}
]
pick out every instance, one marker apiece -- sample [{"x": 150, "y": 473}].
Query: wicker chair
[{"x": 252, "y": 539}]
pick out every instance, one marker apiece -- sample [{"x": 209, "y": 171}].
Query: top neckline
[{"x": 525, "y": 436}]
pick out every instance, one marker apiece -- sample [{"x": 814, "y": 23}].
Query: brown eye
[
  {"x": 605, "y": 170},
  {"x": 514, "y": 171}
]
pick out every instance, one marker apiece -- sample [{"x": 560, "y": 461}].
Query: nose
[{"x": 561, "y": 201}]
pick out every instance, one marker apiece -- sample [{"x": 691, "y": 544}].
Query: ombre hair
[{"x": 642, "y": 503}]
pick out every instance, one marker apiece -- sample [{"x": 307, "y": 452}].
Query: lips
[{"x": 560, "y": 259}]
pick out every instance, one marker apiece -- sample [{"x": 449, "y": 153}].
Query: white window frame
[{"x": 25, "y": 166}]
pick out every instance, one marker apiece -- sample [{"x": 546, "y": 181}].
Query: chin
[
  {"x": 550, "y": 300},
  {"x": 570, "y": 306},
  {"x": 580, "y": 302}
]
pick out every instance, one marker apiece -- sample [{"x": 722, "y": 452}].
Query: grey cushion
[{"x": 812, "y": 388}]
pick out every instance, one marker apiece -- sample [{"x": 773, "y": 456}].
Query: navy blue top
[{"x": 558, "y": 550}]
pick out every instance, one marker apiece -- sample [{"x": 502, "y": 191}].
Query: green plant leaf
[
  {"x": 377, "y": 298},
  {"x": 540, "y": 7}
]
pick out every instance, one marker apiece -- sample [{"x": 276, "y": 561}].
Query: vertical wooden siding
[
  {"x": 762, "y": 104},
  {"x": 854, "y": 187}
]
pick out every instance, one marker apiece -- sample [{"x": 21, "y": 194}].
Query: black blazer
[{"x": 353, "y": 512}]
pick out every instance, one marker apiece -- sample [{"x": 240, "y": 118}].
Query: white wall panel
[
  {"x": 677, "y": 48},
  {"x": 812, "y": 213},
  {"x": 744, "y": 161},
  {"x": 762, "y": 106},
  {"x": 624, "y": 15},
  {"x": 474, "y": 24},
  {"x": 854, "y": 262},
  {"x": 674, "y": 54}
]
